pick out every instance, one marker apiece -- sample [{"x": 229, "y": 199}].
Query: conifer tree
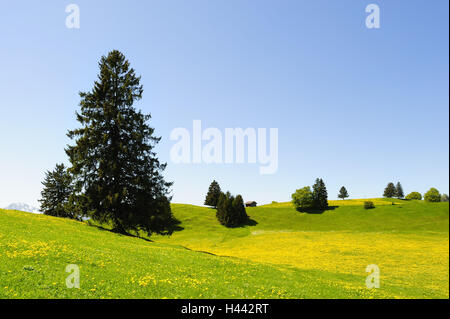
[
  {"x": 212, "y": 197},
  {"x": 117, "y": 173},
  {"x": 399, "y": 191},
  {"x": 320, "y": 195},
  {"x": 343, "y": 193},
  {"x": 224, "y": 210},
  {"x": 231, "y": 210},
  {"x": 390, "y": 191},
  {"x": 240, "y": 214},
  {"x": 56, "y": 192}
]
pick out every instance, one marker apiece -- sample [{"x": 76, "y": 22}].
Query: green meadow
[{"x": 281, "y": 253}]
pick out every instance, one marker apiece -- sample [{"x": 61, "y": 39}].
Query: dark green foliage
[
  {"x": 369, "y": 205},
  {"x": 343, "y": 193},
  {"x": 212, "y": 198},
  {"x": 399, "y": 191},
  {"x": 320, "y": 195},
  {"x": 444, "y": 198},
  {"x": 231, "y": 210},
  {"x": 224, "y": 209},
  {"x": 414, "y": 196},
  {"x": 390, "y": 191},
  {"x": 302, "y": 199},
  {"x": 305, "y": 200},
  {"x": 118, "y": 176},
  {"x": 432, "y": 195},
  {"x": 239, "y": 210},
  {"x": 56, "y": 193}
]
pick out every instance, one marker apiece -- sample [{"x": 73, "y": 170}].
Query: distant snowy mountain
[{"x": 23, "y": 207}]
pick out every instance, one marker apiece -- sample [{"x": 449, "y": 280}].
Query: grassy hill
[{"x": 283, "y": 254}]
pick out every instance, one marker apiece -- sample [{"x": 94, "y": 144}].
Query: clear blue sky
[{"x": 358, "y": 107}]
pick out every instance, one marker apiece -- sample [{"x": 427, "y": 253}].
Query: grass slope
[
  {"x": 409, "y": 241},
  {"x": 285, "y": 255}
]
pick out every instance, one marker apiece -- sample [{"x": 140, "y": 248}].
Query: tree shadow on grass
[
  {"x": 317, "y": 211},
  {"x": 171, "y": 228},
  {"x": 99, "y": 227},
  {"x": 174, "y": 226},
  {"x": 248, "y": 222}
]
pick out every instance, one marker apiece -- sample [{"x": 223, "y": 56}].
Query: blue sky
[{"x": 358, "y": 107}]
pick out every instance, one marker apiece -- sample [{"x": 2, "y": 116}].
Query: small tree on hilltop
[
  {"x": 56, "y": 192},
  {"x": 212, "y": 197},
  {"x": 432, "y": 196},
  {"x": 399, "y": 191},
  {"x": 302, "y": 199},
  {"x": 390, "y": 191},
  {"x": 320, "y": 195},
  {"x": 343, "y": 193}
]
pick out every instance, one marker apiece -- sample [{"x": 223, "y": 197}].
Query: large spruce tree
[
  {"x": 212, "y": 197},
  {"x": 56, "y": 193},
  {"x": 390, "y": 190},
  {"x": 118, "y": 176},
  {"x": 320, "y": 194}
]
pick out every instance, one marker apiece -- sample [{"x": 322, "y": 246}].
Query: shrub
[
  {"x": 432, "y": 196},
  {"x": 444, "y": 198},
  {"x": 369, "y": 205},
  {"x": 302, "y": 199},
  {"x": 414, "y": 196}
]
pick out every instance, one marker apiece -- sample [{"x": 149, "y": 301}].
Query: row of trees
[
  {"x": 115, "y": 175},
  {"x": 230, "y": 209},
  {"x": 432, "y": 195},
  {"x": 305, "y": 199}
]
